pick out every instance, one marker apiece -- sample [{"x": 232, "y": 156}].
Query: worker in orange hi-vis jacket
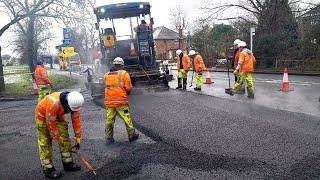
[
  {"x": 43, "y": 82},
  {"x": 51, "y": 124}
]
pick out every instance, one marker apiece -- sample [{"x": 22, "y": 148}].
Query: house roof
[{"x": 165, "y": 33}]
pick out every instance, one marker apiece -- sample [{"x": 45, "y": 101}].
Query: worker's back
[{"x": 118, "y": 84}]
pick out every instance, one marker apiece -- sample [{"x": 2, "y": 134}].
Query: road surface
[
  {"x": 304, "y": 98},
  {"x": 184, "y": 135}
]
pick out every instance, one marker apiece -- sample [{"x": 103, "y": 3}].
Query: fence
[{"x": 309, "y": 64}]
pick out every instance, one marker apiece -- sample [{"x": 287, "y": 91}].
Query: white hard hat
[
  {"x": 242, "y": 44},
  {"x": 192, "y": 52},
  {"x": 178, "y": 52},
  {"x": 75, "y": 100},
  {"x": 236, "y": 42},
  {"x": 118, "y": 60}
]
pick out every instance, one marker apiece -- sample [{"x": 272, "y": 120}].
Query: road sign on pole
[{"x": 67, "y": 51}]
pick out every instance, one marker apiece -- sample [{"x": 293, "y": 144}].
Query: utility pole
[{"x": 252, "y": 33}]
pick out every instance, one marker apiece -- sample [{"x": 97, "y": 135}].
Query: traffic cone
[
  {"x": 285, "y": 81},
  {"x": 34, "y": 87},
  {"x": 208, "y": 79},
  {"x": 132, "y": 50}
]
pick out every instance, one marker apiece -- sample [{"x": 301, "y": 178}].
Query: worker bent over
[
  {"x": 118, "y": 86},
  {"x": 198, "y": 67},
  {"x": 245, "y": 69},
  {"x": 43, "y": 82},
  {"x": 183, "y": 67},
  {"x": 51, "y": 124}
]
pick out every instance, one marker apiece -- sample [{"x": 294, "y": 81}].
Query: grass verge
[{"x": 24, "y": 85}]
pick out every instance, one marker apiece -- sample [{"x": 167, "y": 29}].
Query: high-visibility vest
[
  {"x": 185, "y": 62},
  {"x": 51, "y": 110},
  {"x": 118, "y": 84},
  {"x": 246, "y": 60},
  {"x": 198, "y": 64},
  {"x": 41, "y": 76}
]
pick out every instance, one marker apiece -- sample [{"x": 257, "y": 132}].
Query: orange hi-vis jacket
[
  {"x": 185, "y": 62},
  {"x": 198, "y": 64},
  {"x": 246, "y": 60},
  {"x": 41, "y": 75},
  {"x": 51, "y": 110},
  {"x": 118, "y": 84},
  {"x": 236, "y": 58}
]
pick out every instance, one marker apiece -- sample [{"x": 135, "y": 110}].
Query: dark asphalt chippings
[
  {"x": 214, "y": 133},
  {"x": 195, "y": 137}
]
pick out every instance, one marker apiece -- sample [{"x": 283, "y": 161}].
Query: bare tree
[
  {"x": 179, "y": 20},
  {"x": 16, "y": 12}
]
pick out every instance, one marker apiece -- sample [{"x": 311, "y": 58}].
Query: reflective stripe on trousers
[
  {"x": 124, "y": 113},
  {"x": 199, "y": 80},
  {"x": 182, "y": 74},
  {"x": 43, "y": 90},
  {"x": 247, "y": 78},
  {"x": 45, "y": 143}
]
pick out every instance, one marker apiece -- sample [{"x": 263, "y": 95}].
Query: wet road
[
  {"x": 304, "y": 98},
  {"x": 185, "y": 135}
]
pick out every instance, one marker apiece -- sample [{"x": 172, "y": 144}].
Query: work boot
[
  {"x": 71, "y": 167},
  {"x": 250, "y": 94},
  {"x": 197, "y": 88},
  {"x": 179, "y": 83},
  {"x": 109, "y": 141},
  {"x": 52, "y": 173},
  {"x": 184, "y": 83},
  {"x": 133, "y": 137},
  {"x": 241, "y": 90}
]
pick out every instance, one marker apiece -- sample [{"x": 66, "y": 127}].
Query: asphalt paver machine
[{"x": 136, "y": 47}]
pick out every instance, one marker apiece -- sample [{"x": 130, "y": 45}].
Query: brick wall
[{"x": 165, "y": 47}]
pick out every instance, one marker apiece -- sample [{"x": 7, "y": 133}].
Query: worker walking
[
  {"x": 42, "y": 80},
  {"x": 183, "y": 67},
  {"x": 118, "y": 86},
  {"x": 198, "y": 67},
  {"x": 51, "y": 124},
  {"x": 236, "y": 55},
  {"x": 244, "y": 70}
]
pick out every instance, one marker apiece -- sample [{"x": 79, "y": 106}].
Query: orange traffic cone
[
  {"x": 208, "y": 79},
  {"x": 285, "y": 81},
  {"x": 132, "y": 50},
  {"x": 34, "y": 87}
]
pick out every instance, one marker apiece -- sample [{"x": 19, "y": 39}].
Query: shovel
[
  {"x": 228, "y": 90},
  {"x": 85, "y": 163}
]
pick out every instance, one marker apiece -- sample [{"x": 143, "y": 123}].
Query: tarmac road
[
  {"x": 184, "y": 135},
  {"x": 304, "y": 98}
]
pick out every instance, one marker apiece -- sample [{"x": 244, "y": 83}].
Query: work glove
[
  {"x": 236, "y": 72},
  {"x": 78, "y": 141},
  {"x": 60, "y": 140}
]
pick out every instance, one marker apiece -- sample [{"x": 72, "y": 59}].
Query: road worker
[
  {"x": 183, "y": 67},
  {"x": 236, "y": 55},
  {"x": 51, "y": 124},
  {"x": 118, "y": 86},
  {"x": 245, "y": 69},
  {"x": 43, "y": 82},
  {"x": 198, "y": 67}
]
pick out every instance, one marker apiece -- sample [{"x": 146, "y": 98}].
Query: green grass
[
  {"x": 20, "y": 87},
  {"x": 61, "y": 81},
  {"x": 16, "y": 69},
  {"x": 23, "y": 86}
]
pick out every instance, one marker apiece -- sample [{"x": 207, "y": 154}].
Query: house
[
  {"x": 167, "y": 42},
  {"x": 307, "y": 22}
]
